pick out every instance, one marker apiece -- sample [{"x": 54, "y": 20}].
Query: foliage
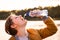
[
  {"x": 54, "y": 12},
  {"x": 4, "y": 15}
]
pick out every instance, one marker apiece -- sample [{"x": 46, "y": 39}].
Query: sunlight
[{"x": 23, "y": 4}]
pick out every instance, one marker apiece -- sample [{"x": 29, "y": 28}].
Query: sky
[{"x": 23, "y": 4}]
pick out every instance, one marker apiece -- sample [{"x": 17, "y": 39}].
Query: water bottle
[
  {"x": 37, "y": 13},
  {"x": 43, "y": 13}
]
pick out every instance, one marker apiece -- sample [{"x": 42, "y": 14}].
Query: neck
[{"x": 21, "y": 32}]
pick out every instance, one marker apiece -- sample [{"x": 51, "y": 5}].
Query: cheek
[
  {"x": 15, "y": 21},
  {"x": 23, "y": 22},
  {"x": 20, "y": 22}
]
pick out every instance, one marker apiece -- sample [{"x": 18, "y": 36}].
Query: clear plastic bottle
[
  {"x": 37, "y": 12},
  {"x": 43, "y": 13}
]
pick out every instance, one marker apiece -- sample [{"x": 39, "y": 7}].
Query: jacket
[{"x": 35, "y": 34}]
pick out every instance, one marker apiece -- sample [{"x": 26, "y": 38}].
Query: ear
[{"x": 13, "y": 26}]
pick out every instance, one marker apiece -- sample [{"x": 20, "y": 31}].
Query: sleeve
[{"x": 49, "y": 30}]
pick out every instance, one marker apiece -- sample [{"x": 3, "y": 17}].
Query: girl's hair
[{"x": 8, "y": 28}]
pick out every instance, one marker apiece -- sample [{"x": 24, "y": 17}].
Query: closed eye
[{"x": 16, "y": 17}]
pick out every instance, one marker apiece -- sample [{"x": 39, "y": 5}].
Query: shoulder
[
  {"x": 32, "y": 31},
  {"x": 12, "y": 38}
]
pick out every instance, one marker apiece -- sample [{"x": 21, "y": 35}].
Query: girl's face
[{"x": 18, "y": 20}]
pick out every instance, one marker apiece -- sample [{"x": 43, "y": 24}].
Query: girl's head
[{"x": 13, "y": 23}]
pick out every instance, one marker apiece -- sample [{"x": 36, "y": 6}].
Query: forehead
[{"x": 13, "y": 16}]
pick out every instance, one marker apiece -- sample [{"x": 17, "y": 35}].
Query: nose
[{"x": 20, "y": 16}]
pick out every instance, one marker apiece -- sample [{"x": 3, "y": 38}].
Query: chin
[{"x": 25, "y": 23}]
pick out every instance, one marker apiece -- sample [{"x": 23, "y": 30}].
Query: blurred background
[{"x": 20, "y": 7}]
